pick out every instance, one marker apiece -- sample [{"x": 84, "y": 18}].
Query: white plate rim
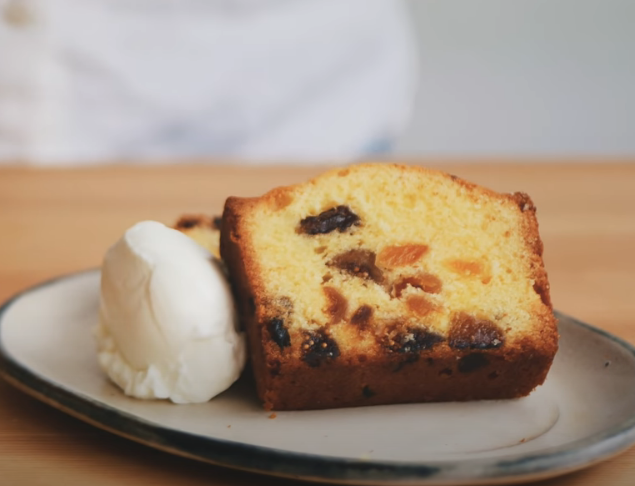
[{"x": 310, "y": 467}]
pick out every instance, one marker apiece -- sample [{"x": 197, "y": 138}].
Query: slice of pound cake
[
  {"x": 203, "y": 229},
  {"x": 383, "y": 283}
]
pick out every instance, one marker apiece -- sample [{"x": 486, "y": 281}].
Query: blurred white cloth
[{"x": 99, "y": 80}]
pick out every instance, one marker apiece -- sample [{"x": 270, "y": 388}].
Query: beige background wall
[{"x": 528, "y": 77}]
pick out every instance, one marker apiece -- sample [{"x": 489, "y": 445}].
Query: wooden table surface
[{"x": 54, "y": 222}]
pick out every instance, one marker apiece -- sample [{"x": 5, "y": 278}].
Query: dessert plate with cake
[{"x": 380, "y": 324}]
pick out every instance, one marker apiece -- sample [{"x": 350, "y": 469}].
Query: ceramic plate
[{"x": 584, "y": 413}]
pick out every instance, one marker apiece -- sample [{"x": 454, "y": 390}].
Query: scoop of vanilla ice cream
[{"x": 167, "y": 325}]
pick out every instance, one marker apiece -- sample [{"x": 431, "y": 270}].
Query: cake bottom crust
[{"x": 403, "y": 379}]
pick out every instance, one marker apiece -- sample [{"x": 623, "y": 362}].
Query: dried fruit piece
[
  {"x": 318, "y": 347},
  {"x": 367, "y": 392},
  {"x": 401, "y": 255},
  {"x": 427, "y": 282},
  {"x": 337, "y": 304},
  {"x": 472, "y": 362},
  {"x": 338, "y": 218},
  {"x": 189, "y": 221},
  {"x": 360, "y": 263},
  {"x": 362, "y": 316},
  {"x": 412, "y": 340},
  {"x": 420, "y": 305},
  {"x": 466, "y": 268},
  {"x": 279, "y": 333},
  {"x": 468, "y": 332}
]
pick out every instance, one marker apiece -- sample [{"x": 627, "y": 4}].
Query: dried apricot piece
[
  {"x": 401, "y": 255},
  {"x": 465, "y": 267},
  {"x": 420, "y": 305}
]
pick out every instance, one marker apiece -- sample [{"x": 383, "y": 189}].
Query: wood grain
[{"x": 58, "y": 221}]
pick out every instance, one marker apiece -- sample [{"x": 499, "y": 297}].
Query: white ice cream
[{"x": 167, "y": 324}]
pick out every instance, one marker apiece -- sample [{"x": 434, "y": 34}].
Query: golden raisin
[
  {"x": 337, "y": 304},
  {"x": 427, "y": 282},
  {"x": 362, "y": 316},
  {"x": 359, "y": 263}
]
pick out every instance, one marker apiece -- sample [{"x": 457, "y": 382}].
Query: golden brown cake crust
[{"x": 391, "y": 372}]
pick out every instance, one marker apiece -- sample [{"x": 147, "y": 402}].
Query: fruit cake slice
[
  {"x": 203, "y": 229},
  {"x": 382, "y": 283}
]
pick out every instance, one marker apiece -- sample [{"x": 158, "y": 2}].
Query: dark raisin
[
  {"x": 445, "y": 372},
  {"x": 187, "y": 222},
  {"x": 367, "y": 392},
  {"x": 467, "y": 332},
  {"x": 493, "y": 375},
  {"x": 217, "y": 222},
  {"x": 472, "y": 362},
  {"x": 279, "y": 333},
  {"x": 360, "y": 263},
  {"x": 318, "y": 347},
  {"x": 362, "y": 316},
  {"x": 413, "y": 340},
  {"x": 338, "y": 218}
]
